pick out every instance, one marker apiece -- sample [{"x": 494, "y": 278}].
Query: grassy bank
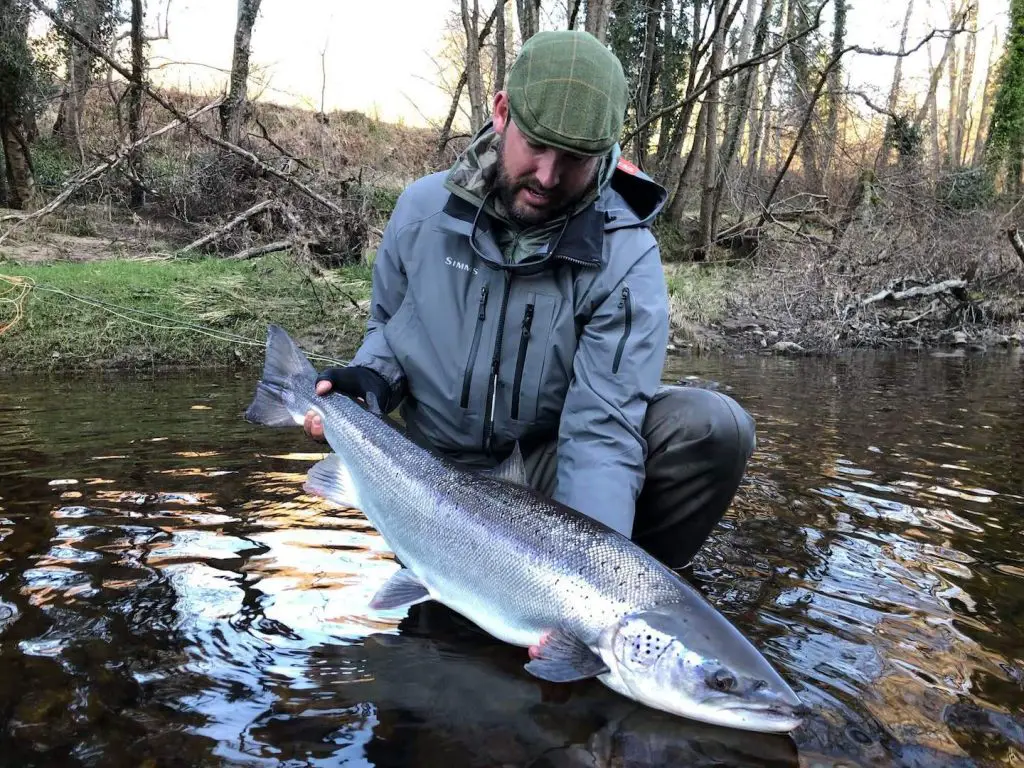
[{"x": 133, "y": 313}]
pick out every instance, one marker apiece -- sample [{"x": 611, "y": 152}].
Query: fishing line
[{"x": 24, "y": 285}]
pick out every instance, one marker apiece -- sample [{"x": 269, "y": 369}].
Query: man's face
[{"x": 536, "y": 183}]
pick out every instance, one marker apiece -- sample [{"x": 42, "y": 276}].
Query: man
[{"x": 520, "y": 297}]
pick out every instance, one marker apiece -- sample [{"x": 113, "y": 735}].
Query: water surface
[{"x": 169, "y": 596}]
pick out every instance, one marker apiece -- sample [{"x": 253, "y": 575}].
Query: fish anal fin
[
  {"x": 402, "y": 589},
  {"x": 511, "y": 470},
  {"x": 563, "y": 658},
  {"x": 331, "y": 480}
]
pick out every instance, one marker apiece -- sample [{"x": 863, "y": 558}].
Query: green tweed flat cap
[{"x": 567, "y": 90}]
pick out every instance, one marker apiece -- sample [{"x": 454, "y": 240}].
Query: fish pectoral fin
[
  {"x": 330, "y": 479},
  {"x": 511, "y": 470},
  {"x": 402, "y": 589},
  {"x": 562, "y": 658}
]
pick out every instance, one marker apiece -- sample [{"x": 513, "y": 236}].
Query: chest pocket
[{"x": 533, "y": 350}]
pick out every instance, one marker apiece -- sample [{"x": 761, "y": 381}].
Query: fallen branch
[
  {"x": 111, "y": 161},
  {"x": 223, "y": 230},
  {"x": 1016, "y": 242},
  {"x": 262, "y": 250},
  {"x": 946, "y": 286},
  {"x": 215, "y": 140},
  {"x": 931, "y": 308}
]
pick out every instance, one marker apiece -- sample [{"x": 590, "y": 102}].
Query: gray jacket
[{"x": 567, "y": 344}]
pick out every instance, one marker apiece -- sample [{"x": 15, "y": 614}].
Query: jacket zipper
[
  {"x": 524, "y": 342},
  {"x": 624, "y": 302},
  {"x": 468, "y": 376},
  {"x": 492, "y": 388}
]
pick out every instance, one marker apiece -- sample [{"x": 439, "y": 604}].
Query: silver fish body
[{"x": 527, "y": 570}]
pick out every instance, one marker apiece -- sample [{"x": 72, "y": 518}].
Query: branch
[
  {"x": 262, "y": 250},
  {"x": 216, "y": 141},
  {"x": 946, "y": 286},
  {"x": 112, "y": 160},
  {"x": 1016, "y": 242},
  {"x": 872, "y": 106},
  {"x": 832, "y": 64},
  {"x": 224, "y": 229},
  {"x": 726, "y": 73}
]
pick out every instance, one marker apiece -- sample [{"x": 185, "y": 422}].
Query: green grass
[
  {"x": 699, "y": 293},
  {"x": 240, "y": 298}
]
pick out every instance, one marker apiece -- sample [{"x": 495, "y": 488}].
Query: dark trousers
[{"x": 698, "y": 444}]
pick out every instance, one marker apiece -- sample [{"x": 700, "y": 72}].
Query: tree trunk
[
  {"x": 529, "y": 18},
  {"x": 666, "y": 87},
  {"x": 17, "y": 160},
  {"x": 952, "y": 144},
  {"x": 801, "y": 60},
  {"x": 963, "y": 108},
  {"x": 87, "y": 16},
  {"x": 986, "y": 102},
  {"x": 138, "y": 196},
  {"x": 753, "y": 45},
  {"x": 835, "y": 86},
  {"x": 473, "y": 75},
  {"x": 644, "y": 93},
  {"x": 598, "y": 14},
  {"x": 711, "y": 165},
  {"x": 446, "y": 130},
  {"x": 882, "y": 158},
  {"x": 233, "y": 110},
  {"x": 499, "y": 46},
  {"x": 933, "y": 85}
]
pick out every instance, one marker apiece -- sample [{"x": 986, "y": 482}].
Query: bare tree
[
  {"x": 529, "y": 18},
  {"x": 233, "y": 110},
  {"x": 88, "y": 17},
  {"x": 499, "y": 46},
  {"x": 473, "y": 75},
  {"x": 986, "y": 102},
  {"x": 711, "y": 160},
  {"x": 135, "y": 91},
  {"x": 598, "y": 14}
]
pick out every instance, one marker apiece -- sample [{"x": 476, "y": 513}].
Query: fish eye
[{"x": 721, "y": 680}]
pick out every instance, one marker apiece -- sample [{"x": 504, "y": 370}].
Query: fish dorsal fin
[
  {"x": 562, "y": 658},
  {"x": 402, "y": 589},
  {"x": 511, "y": 470},
  {"x": 330, "y": 479}
]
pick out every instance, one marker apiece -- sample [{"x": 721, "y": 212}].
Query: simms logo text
[{"x": 449, "y": 261}]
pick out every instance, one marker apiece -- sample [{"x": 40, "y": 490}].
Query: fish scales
[{"x": 505, "y": 545}]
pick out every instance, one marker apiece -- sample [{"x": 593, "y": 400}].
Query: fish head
[{"x": 702, "y": 668}]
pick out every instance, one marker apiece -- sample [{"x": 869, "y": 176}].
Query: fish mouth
[{"x": 764, "y": 716}]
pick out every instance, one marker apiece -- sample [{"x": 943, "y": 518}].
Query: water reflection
[{"x": 169, "y": 595}]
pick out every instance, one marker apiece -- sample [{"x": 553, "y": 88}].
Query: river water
[{"x": 169, "y": 596}]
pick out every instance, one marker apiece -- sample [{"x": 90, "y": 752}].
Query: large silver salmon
[{"x": 532, "y": 572}]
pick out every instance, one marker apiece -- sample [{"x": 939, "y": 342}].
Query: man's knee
[{"x": 680, "y": 419}]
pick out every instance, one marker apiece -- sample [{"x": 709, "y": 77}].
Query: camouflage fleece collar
[{"x": 472, "y": 176}]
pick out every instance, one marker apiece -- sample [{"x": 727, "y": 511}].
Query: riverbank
[
  {"x": 132, "y": 313},
  {"x": 96, "y": 310}
]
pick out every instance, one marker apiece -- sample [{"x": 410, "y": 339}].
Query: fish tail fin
[{"x": 286, "y": 386}]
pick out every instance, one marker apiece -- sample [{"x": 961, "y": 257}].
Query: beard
[{"x": 521, "y": 214}]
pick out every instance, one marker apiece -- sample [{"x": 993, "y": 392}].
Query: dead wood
[
  {"x": 111, "y": 161},
  {"x": 225, "y": 228},
  {"x": 63, "y": 27},
  {"x": 262, "y": 250},
  {"x": 954, "y": 287}
]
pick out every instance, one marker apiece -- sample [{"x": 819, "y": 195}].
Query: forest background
[{"x": 178, "y": 174}]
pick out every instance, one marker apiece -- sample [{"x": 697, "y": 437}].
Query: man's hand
[
  {"x": 312, "y": 425},
  {"x": 352, "y": 380}
]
